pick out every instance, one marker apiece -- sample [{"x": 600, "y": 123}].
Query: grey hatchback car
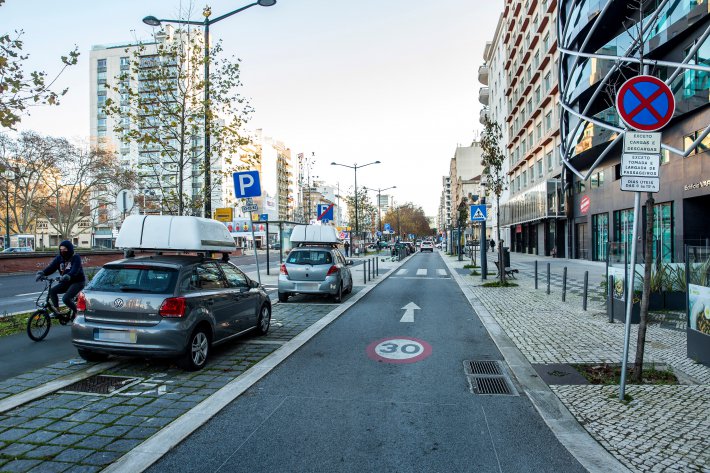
[
  {"x": 315, "y": 269},
  {"x": 167, "y": 306}
]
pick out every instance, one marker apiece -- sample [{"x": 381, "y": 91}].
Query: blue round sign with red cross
[{"x": 645, "y": 103}]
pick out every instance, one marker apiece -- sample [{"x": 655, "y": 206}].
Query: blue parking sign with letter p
[{"x": 247, "y": 184}]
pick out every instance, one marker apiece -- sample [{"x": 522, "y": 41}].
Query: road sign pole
[
  {"x": 256, "y": 257},
  {"x": 630, "y": 296}
]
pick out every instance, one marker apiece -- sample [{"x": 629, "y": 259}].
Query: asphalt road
[{"x": 340, "y": 403}]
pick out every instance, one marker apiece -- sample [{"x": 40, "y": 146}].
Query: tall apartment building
[
  {"x": 444, "y": 216},
  {"x": 534, "y": 211},
  {"x": 277, "y": 177},
  {"x": 492, "y": 96},
  {"x": 601, "y": 213}
]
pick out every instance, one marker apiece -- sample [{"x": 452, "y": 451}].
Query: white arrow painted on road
[{"x": 409, "y": 312}]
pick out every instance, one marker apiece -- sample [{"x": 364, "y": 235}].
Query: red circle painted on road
[
  {"x": 399, "y": 350},
  {"x": 645, "y": 103}
]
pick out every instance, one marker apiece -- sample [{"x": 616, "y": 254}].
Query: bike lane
[{"x": 384, "y": 387}]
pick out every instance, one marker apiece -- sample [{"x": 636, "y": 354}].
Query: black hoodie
[{"x": 70, "y": 265}]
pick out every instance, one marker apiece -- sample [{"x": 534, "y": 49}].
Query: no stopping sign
[{"x": 399, "y": 350}]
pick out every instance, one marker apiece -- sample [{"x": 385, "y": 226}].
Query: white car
[{"x": 427, "y": 245}]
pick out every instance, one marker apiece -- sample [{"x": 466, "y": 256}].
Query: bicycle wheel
[{"x": 38, "y": 325}]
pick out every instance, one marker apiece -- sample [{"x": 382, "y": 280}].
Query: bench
[{"x": 508, "y": 271}]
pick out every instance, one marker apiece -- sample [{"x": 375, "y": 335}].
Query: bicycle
[{"x": 40, "y": 321}]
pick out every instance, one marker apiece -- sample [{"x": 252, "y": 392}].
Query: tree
[
  {"x": 366, "y": 211},
  {"x": 407, "y": 218},
  {"x": 492, "y": 161},
  {"x": 81, "y": 181},
  {"x": 20, "y": 90},
  {"x": 161, "y": 107}
]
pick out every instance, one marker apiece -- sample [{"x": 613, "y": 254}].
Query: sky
[{"x": 353, "y": 81}]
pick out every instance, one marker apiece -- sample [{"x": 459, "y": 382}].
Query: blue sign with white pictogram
[
  {"x": 478, "y": 213},
  {"x": 645, "y": 103},
  {"x": 247, "y": 184},
  {"x": 325, "y": 212},
  {"x": 388, "y": 228}
]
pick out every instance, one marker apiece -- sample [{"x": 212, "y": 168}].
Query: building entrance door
[{"x": 582, "y": 252}]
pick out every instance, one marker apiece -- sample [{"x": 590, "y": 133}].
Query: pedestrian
[
  {"x": 72, "y": 280},
  {"x": 347, "y": 248},
  {"x": 493, "y": 245}
]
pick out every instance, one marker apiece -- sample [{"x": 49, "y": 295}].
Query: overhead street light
[
  {"x": 355, "y": 167},
  {"x": 153, "y": 21},
  {"x": 379, "y": 207}
]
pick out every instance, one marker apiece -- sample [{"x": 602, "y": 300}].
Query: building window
[
  {"x": 600, "y": 236},
  {"x": 665, "y": 156},
  {"x": 524, "y": 179},
  {"x": 536, "y": 59},
  {"x": 125, "y": 63},
  {"x": 597, "y": 179},
  {"x": 546, "y": 41},
  {"x": 537, "y": 95},
  {"x": 548, "y": 158},
  {"x": 517, "y": 183},
  {"x": 548, "y": 121},
  {"x": 623, "y": 227},
  {"x": 539, "y": 167},
  {"x": 548, "y": 81},
  {"x": 697, "y": 83},
  {"x": 580, "y": 187},
  {"x": 101, "y": 65},
  {"x": 702, "y": 147},
  {"x": 663, "y": 231},
  {"x": 538, "y": 131}
]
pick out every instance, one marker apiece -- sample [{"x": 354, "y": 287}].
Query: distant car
[
  {"x": 438, "y": 245},
  {"x": 18, "y": 249},
  {"x": 315, "y": 269},
  {"x": 427, "y": 246},
  {"x": 275, "y": 246},
  {"x": 167, "y": 306}
]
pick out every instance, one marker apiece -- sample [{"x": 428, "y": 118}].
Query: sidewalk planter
[
  {"x": 674, "y": 300},
  {"x": 620, "y": 311}
]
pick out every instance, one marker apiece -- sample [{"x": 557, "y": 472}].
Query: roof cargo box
[
  {"x": 315, "y": 234},
  {"x": 167, "y": 232}
]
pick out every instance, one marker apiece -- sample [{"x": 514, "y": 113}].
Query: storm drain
[
  {"x": 488, "y": 377},
  {"x": 101, "y": 385}
]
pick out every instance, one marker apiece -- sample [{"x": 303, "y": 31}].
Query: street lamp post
[
  {"x": 379, "y": 208},
  {"x": 153, "y": 21},
  {"x": 9, "y": 175},
  {"x": 355, "y": 168}
]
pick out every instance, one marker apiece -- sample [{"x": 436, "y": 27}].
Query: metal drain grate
[
  {"x": 485, "y": 367},
  {"x": 490, "y": 385},
  {"x": 102, "y": 385}
]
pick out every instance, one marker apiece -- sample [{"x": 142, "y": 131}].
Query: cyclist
[{"x": 72, "y": 279}]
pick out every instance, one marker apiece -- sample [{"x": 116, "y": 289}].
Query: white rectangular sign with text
[
  {"x": 639, "y": 184},
  {"x": 640, "y": 165}
]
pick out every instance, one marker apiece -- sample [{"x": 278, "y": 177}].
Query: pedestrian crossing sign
[{"x": 478, "y": 213}]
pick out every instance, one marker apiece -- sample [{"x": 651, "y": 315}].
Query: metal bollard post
[
  {"x": 377, "y": 267},
  {"x": 369, "y": 269},
  {"x": 610, "y": 299},
  {"x": 586, "y": 286},
  {"x": 535, "y": 274},
  {"x": 364, "y": 272},
  {"x": 564, "y": 283},
  {"x": 548, "y": 279}
]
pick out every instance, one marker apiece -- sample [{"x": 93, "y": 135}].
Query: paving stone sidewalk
[{"x": 663, "y": 428}]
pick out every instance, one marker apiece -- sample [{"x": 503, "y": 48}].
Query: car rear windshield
[
  {"x": 134, "y": 278},
  {"x": 310, "y": 257}
]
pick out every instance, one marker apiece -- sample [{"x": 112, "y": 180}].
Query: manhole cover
[
  {"x": 490, "y": 385},
  {"x": 485, "y": 367},
  {"x": 102, "y": 385}
]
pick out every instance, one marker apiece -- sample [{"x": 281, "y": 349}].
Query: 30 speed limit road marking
[{"x": 399, "y": 350}]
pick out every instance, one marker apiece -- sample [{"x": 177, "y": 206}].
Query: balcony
[
  {"x": 483, "y": 95},
  {"x": 482, "y": 115},
  {"x": 483, "y": 74}
]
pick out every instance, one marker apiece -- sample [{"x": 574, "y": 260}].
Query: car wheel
[
  {"x": 338, "y": 296},
  {"x": 198, "y": 348},
  {"x": 89, "y": 355},
  {"x": 283, "y": 296},
  {"x": 264, "y": 322},
  {"x": 38, "y": 325}
]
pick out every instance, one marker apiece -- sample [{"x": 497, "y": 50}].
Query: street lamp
[
  {"x": 379, "y": 208},
  {"x": 153, "y": 21},
  {"x": 9, "y": 175},
  {"x": 355, "y": 167}
]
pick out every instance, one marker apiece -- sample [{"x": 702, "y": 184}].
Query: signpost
[
  {"x": 325, "y": 212},
  {"x": 646, "y": 104},
  {"x": 248, "y": 185},
  {"x": 479, "y": 213}
]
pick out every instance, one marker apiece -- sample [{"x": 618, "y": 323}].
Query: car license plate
[
  {"x": 120, "y": 336},
  {"x": 308, "y": 286}
]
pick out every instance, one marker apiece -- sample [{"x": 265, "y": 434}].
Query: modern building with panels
[{"x": 598, "y": 211}]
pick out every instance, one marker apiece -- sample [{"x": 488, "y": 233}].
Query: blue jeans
[{"x": 70, "y": 291}]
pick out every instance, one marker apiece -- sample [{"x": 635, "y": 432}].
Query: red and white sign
[
  {"x": 645, "y": 103},
  {"x": 399, "y": 350},
  {"x": 585, "y": 204}
]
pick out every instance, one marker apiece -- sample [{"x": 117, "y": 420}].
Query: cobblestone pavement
[
  {"x": 663, "y": 428},
  {"x": 85, "y": 432}
]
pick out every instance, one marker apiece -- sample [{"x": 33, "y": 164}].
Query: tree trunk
[{"x": 648, "y": 256}]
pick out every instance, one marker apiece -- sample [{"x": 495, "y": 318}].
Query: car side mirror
[
  {"x": 349, "y": 262},
  {"x": 253, "y": 284}
]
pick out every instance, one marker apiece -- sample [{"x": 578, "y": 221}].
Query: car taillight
[
  {"x": 333, "y": 269},
  {"x": 81, "y": 302},
  {"x": 283, "y": 270},
  {"x": 172, "y": 307}
]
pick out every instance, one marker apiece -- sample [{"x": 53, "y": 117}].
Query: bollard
[
  {"x": 369, "y": 269},
  {"x": 548, "y": 279},
  {"x": 364, "y": 273},
  {"x": 377, "y": 267},
  {"x": 564, "y": 283},
  {"x": 535, "y": 274},
  {"x": 610, "y": 299},
  {"x": 586, "y": 284}
]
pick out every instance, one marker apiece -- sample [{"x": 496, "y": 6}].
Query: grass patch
[
  {"x": 475, "y": 273},
  {"x": 12, "y": 324},
  {"x": 470, "y": 266},
  {"x": 498, "y": 284},
  {"x": 611, "y": 374}
]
